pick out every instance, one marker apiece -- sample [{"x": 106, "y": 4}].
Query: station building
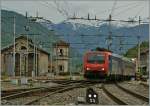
[
  {"x": 28, "y": 62},
  {"x": 61, "y": 57}
]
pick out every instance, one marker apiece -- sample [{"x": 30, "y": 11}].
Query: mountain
[
  {"x": 43, "y": 36},
  {"x": 74, "y": 31}
]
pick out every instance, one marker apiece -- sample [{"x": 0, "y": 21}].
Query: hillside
[
  {"x": 42, "y": 34},
  {"x": 45, "y": 37},
  {"x": 133, "y": 52}
]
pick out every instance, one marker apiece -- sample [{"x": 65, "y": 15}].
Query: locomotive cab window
[{"x": 97, "y": 58}]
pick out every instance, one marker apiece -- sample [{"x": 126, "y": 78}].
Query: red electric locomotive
[{"x": 102, "y": 64}]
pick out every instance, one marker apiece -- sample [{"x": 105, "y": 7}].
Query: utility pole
[
  {"x": 34, "y": 59},
  {"x": 14, "y": 65},
  {"x": 33, "y": 19},
  {"x": 109, "y": 39},
  {"x": 120, "y": 44},
  {"x": 57, "y": 59},
  {"x": 88, "y": 16},
  {"x": 138, "y": 37},
  {"x": 51, "y": 59},
  {"x": 139, "y": 70},
  {"x": 27, "y": 29},
  {"x": 71, "y": 60},
  {"x": 27, "y": 52},
  {"x": 20, "y": 64}
]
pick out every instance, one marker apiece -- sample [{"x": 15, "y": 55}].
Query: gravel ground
[
  {"x": 9, "y": 86},
  {"x": 137, "y": 88},
  {"x": 17, "y": 101},
  {"x": 70, "y": 97},
  {"x": 103, "y": 98},
  {"x": 21, "y": 100},
  {"x": 124, "y": 96}
]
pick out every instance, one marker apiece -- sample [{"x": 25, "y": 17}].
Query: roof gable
[{"x": 24, "y": 38}]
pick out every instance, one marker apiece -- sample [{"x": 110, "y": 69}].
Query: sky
[{"x": 57, "y": 11}]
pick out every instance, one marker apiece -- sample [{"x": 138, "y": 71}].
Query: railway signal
[{"x": 91, "y": 96}]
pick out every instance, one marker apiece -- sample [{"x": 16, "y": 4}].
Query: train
[{"x": 107, "y": 65}]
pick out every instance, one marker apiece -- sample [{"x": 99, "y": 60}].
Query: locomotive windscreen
[{"x": 96, "y": 58}]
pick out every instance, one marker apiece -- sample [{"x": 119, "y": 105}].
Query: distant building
[
  {"x": 29, "y": 63},
  {"x": 61, "y": 57},
  {"x": 144, "y": 61}
]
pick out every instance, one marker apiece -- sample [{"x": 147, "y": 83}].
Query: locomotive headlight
[
  {"x": 103, "y": 69},
  {"x": 87, "y": 68}
]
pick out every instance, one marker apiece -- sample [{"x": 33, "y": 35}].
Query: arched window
[{"x": 61, "y": 52}]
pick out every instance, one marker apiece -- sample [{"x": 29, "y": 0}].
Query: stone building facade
[
  {"x": 144, "y": 61},
  {"x": 30, "y": 60},
  {"x": 61, "y": 57}
]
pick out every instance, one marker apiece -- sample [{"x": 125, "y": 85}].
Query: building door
[
  {"x": 36, "y": 65},
  {"x": 23, "y": 65},
  {"x": 30, "y": 64},
  {"x": 17, "y": 64},
  {"x": 9, "y": 64}
]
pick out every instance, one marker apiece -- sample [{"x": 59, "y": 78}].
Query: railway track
[
  {"x": 24, "y": 92},
  {"x": 37, "y": 94},
  {"x": 146, "y": 99},
  {"x": 64, "y": 89},
  {"x": 112, "y": 91},
  {"x": 113, "y": 97}
]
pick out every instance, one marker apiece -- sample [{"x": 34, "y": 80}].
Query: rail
[
  {"x": 146, "y": 99},
  {"x": 113, "y": 97}
]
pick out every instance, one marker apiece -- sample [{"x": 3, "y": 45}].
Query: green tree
[{"x": 133, "y": 52}]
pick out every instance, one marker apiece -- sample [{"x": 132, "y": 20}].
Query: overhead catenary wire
[
  {"x": 125, "y": 10},
  {"x": 91, "y": 35},
  {"x": 113, "y": 7},
  {"x": 138, "y": 12},
  {"x": 117, "y": 7}
]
